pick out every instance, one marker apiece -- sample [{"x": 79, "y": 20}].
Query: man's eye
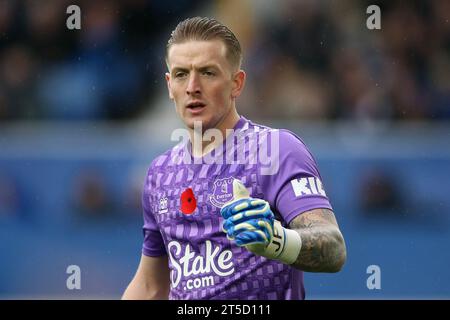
[
  {"x": 180, "y": 74},
  {"x": 208, "y": 73}
]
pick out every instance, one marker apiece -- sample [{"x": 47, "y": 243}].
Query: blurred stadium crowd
[
  {"x": 307, "y": 59},
  {"x": 106, "y": 70}
]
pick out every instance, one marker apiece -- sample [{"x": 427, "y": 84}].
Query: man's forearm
[{"x": 323, "y": 247}]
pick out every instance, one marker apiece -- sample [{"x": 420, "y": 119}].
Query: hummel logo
[{"x": 163, "y": 205}]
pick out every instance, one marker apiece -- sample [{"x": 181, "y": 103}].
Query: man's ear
[
  {"x": 238, "y": 83},
  {"x": 168, "y": 85}
]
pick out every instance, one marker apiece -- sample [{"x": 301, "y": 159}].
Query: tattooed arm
[{"x": 323, "y": 247}]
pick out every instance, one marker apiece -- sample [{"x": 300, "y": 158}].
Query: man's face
[{"x": 202, "y": 82}]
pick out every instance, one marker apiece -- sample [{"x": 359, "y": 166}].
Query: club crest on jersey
[{"x": 222, "y": 192}]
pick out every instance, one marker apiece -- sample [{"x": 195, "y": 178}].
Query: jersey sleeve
[
  {"x": 153, "y": 245},
  {"x": 296, "y": 186}
]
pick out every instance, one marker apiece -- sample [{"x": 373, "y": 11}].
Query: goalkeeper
[{"x": 217, "y": 228}]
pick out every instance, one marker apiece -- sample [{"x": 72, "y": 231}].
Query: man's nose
[{"x": 193, "y": 86}]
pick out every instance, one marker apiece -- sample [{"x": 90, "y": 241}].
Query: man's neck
[{"x": 201, "y": 147}]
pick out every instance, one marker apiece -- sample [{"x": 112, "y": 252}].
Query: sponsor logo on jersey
[
  {"x": 197, "y": 269},
  {"x": 307, "y": 186}
]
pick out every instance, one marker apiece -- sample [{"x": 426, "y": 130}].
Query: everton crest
[{"x": 222, "y": 192}]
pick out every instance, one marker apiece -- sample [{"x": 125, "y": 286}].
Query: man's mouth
[{"x": 196, "y": 107}]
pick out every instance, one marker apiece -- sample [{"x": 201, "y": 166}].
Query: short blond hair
[{"x": 204, "y": 29}]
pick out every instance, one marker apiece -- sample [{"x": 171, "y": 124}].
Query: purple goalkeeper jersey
[{"x": 274, "y": 165}]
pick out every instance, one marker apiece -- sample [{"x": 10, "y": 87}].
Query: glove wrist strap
[{"x": 285, "y": 245}]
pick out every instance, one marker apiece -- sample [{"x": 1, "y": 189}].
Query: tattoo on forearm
[{"x": 323, "y": 247}]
